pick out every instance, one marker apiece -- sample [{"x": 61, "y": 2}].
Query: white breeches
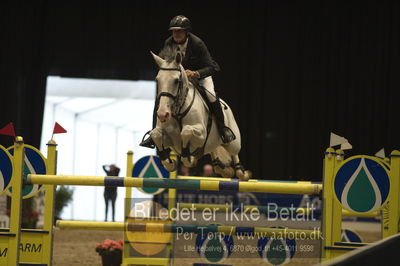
[{"x": 208, "y": 84}]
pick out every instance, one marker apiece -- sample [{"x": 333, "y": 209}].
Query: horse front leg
[
  {"x": 193, "y": 137},
  {"x": 167, "y": 162},
  {"x": 241, "y": 173},
  {"x": 158, "y": 137}
]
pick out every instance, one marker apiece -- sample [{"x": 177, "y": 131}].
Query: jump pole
[
  {"x": 263, "y": 209},
  {"x": 391, "y": 213},
  {"x": 207, "y": 185},
  {"x": 331, "y": 210},
  {"x": 127, "y": 205},
  {"x": 90, "y": 225},
  {"x": 10, "y": 238},
  {"x": 187, "y": 228},
  {"x": 235, "y": 179},
  {"x": 49, "y": 198}
]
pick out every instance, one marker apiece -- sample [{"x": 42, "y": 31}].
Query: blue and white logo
[
  {"x": 214, "y": 247},
  {"x": 150, "y": 166},
  {"x": 6, "y": 169},
  {"x": 34, "y": 163},
  {"x": 362, "y": 184},
  {"x": 276, "y": 251},
  {"x": 350, "y": 236}
]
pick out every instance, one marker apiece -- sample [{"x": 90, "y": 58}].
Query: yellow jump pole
[
  {"x": 327, "y": 202},
  {"x": 225, "y": 207},
  {"x": 49, "y": 200},
  {"x": 395, "y": 175},
  {"x": 90, "y": 225},
  {"x": 172, "y": 191},
  {"x": 245, "y": 208},
  {"x": 234, "y": 179},
  {"x": 12, "y": 254},
  {"x": 228, "y": 230},
  {"x": 128, "y": 190},
  {"x": 187, "y": 228},
  {"x": 171, "y": 206},
  {"x": 391, "y": 216},
  {"x": 374, "y": 214},
  {"x": 240, "y": 186},
  {"x": 336, "y": 207},
  {"x": 128, "y": 203}
]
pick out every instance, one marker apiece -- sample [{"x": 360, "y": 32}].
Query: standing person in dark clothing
[
  {"x": 110, "y": 193},
  {"x": 198, "y": 65}
]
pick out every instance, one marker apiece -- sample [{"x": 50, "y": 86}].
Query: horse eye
[{"x": 176, "y": 81}]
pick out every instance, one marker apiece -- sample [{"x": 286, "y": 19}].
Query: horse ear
[
  {"x": 178, "y": 58},
  {"x": 158, "y": 59}
]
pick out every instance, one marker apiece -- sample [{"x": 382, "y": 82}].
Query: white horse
[{"x": 185, "y": 124}]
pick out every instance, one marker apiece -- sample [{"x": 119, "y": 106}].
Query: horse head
[{"x": 171, "y": 86}]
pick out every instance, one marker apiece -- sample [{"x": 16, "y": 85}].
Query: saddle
[{"x": 203, "y": 94}]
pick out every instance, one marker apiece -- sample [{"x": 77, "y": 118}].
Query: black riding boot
[
  {"x": 148, "y": 142},
  {"x": 225, "y": 132}
]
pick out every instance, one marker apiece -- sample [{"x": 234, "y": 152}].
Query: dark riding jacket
[{"x": 197, "y": 57}]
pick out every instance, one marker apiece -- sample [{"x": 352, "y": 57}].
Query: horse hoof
[
  {"x": 189, "y": 161},
  {"x": 218, "y": 170},
  {"x": 244, "y": 175},
  {"x": 228, "y": 172},
  {"x": 249, "y": 173},
  {"x": 169, "y": 165}
]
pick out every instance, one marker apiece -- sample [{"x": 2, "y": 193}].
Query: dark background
[{"x": 292, "y": 71}]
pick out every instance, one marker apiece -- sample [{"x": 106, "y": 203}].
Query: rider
[{"x": 199, "y": 65}]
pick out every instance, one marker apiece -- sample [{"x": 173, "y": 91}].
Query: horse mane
[{"x": 168, "y": 54}]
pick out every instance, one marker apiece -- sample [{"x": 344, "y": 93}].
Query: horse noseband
[{"x": 166, "y": 94}]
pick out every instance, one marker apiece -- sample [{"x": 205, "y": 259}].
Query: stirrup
[
  {"x": 148, "y": 143},
  {"x": 227, "y": 135}
]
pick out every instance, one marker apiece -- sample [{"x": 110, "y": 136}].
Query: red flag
[
  {"x": 8, "y": 130},
  {"x": 58, "y": 129}
]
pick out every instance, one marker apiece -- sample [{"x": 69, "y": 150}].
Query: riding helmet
[{"x": 180, "y": 22}]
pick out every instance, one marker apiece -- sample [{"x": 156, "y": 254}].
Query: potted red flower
[{"x": 110, "y": 252}]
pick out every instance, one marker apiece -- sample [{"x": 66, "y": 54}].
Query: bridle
[
  {"x": 179, "y": 100},
  {"x": 180, "y": 86}
]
